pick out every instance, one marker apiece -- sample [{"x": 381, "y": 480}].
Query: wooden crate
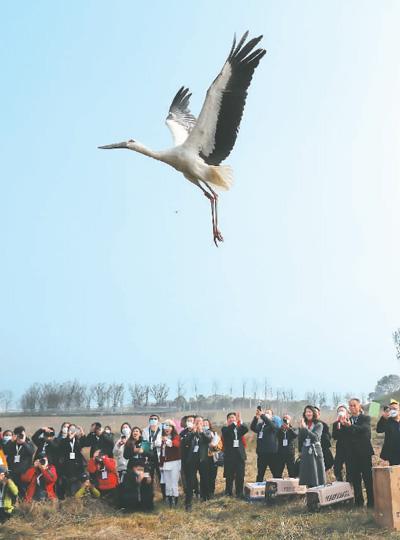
[{"x": 387, "y": 496}]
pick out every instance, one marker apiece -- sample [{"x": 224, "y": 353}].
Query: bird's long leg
[
  {"x": 220, "y": 238},
  {"x": 211, "y": 198}
]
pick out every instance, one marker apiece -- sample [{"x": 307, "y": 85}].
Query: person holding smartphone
[
  {"x": 119, "y": 448},
  {"x": 234, "y": 454},
  {"x": 266, "y": 429}
]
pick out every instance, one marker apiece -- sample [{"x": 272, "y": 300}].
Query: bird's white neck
[{"x": 139, "y": 147}]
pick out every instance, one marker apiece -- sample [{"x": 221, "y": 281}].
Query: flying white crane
[{"x": 202, "y": 144}]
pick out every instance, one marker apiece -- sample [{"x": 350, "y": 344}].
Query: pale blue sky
[{"x": 101, "y": 279}]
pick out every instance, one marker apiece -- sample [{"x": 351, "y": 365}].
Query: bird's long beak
[{"x": 116, "y": 145}]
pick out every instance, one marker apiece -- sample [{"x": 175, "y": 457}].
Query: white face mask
[
  {"x": 7, "y": 438},
  {"x": 189, "y": 425},
  {"x": 126, "y": 431},
  {"x": 393, "y": 413},
  {"x": 64, "y": 430}
]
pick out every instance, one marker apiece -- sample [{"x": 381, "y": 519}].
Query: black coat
[
  {"x": 290, "y": 434},
  {"x": 25, "y": 451},
  {"x": 391, "y": 446},
  {"x": 193, "y": 439},
  {"x": 267, "y": 434},
  {"x": 184, "y": 448},
  {"x": 67, "y": 467},
  {"x": 46, "y": 445},
  {"x": 326, "y": 445},
  {"x": 357, "y": 438},
  {"x": 228, "y": 434},
  {"x": 103, "y": 442}
]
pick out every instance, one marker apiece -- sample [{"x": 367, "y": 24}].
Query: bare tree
[
  {"x": 244, "y": 386},
  {"x": 312, "y": 397},
  {"x": 322, "y": 399},
  {"x": 195, "y": 389},
  {"x": 6, "y": 397},
  {"x": 30, "y": 399},
  {"x": 396, "y": 339},
  {"x": 100, "y": 394},
  {"x": 89, "y": 394},
  {"x": 159, "y": 392},
  {"x": 336, "y": 399},
  {"x": 137, "y": 393},
  {"x": 116, "y": 393}
]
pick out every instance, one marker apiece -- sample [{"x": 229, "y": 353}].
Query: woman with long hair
[
  {"x": 119, "y": 448},
  {"x": 170, "y": 461},
  {"x": 312, "y": 467},
  {"x": 137, "y": 451}
]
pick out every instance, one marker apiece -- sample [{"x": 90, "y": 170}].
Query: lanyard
[
  {"x": 72, "y": 443},
  {"x": 18, "y": 448},
  {"x": 236, "y": 434}
]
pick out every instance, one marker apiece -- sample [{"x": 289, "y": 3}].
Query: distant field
[{"x": 218, "y": 519}]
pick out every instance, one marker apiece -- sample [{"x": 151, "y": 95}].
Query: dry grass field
[{"x": 221, "y": 518}]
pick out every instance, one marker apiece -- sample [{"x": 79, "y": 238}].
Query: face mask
[
  {"x": 6, "y": 439},
  {"x": 126, "y": 431},
  {"x": 64, "y": 430},
  {"x": 153, "y": 422},
  {"x": 206, "y": 428},
  {"x": 393, "y": 413},
  {"x": 107, "y": 431},
  {"x": 269, "y": 416},
  {"x": 189, "y": 425}
]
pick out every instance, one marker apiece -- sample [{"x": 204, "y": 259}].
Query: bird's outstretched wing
[
  {"x": 180, "y": 120},
  {"x": 215, "y": 132}
]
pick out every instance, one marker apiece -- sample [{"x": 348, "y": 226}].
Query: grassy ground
[{"x": 220, "y": 518}]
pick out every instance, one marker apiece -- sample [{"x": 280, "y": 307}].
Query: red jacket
[
  {"x": 171, "y": 453},
  {"x": 106, "y": 478},
  {"x": 30, "y": 476}
]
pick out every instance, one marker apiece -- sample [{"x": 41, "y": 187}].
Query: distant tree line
[{"x": 74, "y": 395}]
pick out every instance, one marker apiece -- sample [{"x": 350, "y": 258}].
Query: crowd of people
[{"x": 125, "y": 469}]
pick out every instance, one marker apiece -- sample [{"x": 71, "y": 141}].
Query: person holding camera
[
  {"x": 170, "y": 461},
  {"x": 325, "y": 441},
  {"x": 19, "y": 452},
  {"x": 8, "y": 494},
  {"x": 87, "y": 489},
  {"x": 71, "y": 462},
  {"x": 312, "y": 467},
  {"x": 103, "y": 470},
  {"x": 43, "y": 438},
  {"x": 286, "y": 448},
  {"x": 234, "y": 454},
  {"x": 389, "y": 424},
  {"x": 136, "y": 491},
  {"x": 214, "y": 456},
  {"x": 339, "y": 436},
  {"x": 40, "y": 480},
  {"x": 119, "y": 447},
  {"x": 266, "y": 430}
]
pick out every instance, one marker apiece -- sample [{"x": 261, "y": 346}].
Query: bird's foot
[{"x": 218, "y": 237}]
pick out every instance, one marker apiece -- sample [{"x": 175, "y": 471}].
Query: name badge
[
  {"x": 307, "y": 441},
  {"x": 17, "y": 458},
  {"x": 196, "y": 448},
  {"x": 104, "y": 475},
  {"x": 284, "y": 442},
  {"x": 236, "y": 443},
  {"x": 260, "y": 435},
  {"x": 72, "y": 455}
]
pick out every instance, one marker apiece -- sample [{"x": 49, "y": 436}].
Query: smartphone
[{"x": 259, "y": 408}]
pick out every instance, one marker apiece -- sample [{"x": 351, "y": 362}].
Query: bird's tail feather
[{"x": 221, "y": 176}]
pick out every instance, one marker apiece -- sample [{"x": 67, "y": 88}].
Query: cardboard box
[
  {"x": 277, "y": 487},
  {"x": 329, "y": 494},
  {"x": 255, "y": 491},
  {"x": 387, "y": 496}
]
